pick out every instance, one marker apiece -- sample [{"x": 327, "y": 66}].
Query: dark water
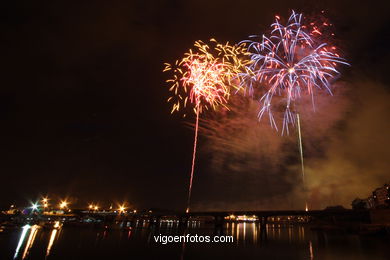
[{"x": 282, "y": 242}]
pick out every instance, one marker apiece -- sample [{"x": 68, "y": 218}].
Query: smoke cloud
[{"x": 250, "y": 165}]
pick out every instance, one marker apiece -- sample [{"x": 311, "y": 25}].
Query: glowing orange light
[
  {"x": 63, "y": 204},
  {"x": 121, "y": 209}
]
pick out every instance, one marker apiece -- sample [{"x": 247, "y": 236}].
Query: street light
[
  {"x": 63, "y": 204},
  {"x": 34, "y": 206},
  {"x": 45, "y": 202},
  {"x": 121, "y": 209}
]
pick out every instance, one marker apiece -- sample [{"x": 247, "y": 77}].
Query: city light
[
  {"x": 34, "y": 206},
  {"x": 45, "y": 202},
  {"x": 63, "y": 204},
  {"x": 121, "y": 209}
]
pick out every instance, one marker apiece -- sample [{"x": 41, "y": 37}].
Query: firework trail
[
  {"x": 292, "y": 61},
  {"x": 203, "y": 79},
  {"x": 301, "y": 157}
]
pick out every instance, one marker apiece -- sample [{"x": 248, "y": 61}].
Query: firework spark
[
  {"x": 204, "y": 79},
  {"x": 292, "y": 61}
]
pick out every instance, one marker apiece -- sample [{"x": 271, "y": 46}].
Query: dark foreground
[{"x": 283, "y": 241}]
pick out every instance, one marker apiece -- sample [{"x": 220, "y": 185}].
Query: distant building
[
  {"x": 380, "y": 198},
  {"x": 360, "y": 204},
  {"x": 370, "y": 202}
]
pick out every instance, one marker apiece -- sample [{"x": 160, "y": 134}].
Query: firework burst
[
  {"x": 292, "y": 61},
  {"x": 204, "y": 78}
]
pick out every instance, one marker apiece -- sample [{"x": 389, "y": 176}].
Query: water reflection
[
  {"x": 274, "y": 239},
  {"x": 254, "y": 228},
  {"x": 311, "y": 250},
  {"x": 51, "y": 241},
  {"x": 243, "y": 232},
  {"x": 21, "y": 239},
  {"x": 57, "y": 226},
  {"x": 253, "y": 233},
  {"x": 30, "y": 241}
]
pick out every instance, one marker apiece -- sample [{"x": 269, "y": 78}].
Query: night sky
[{"x": 83, "y": 101}]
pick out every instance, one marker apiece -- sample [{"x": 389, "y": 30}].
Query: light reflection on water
[
  {"x": 30, "y": 241},
  {"x": 281, "y": 241},
  {"x": 21, "y": 239},
  {"x": 51, "y": 241},
  {"x": 32, "y": 231},
  {"x": 280, "y": 232},
  {"x": 250, "y": 232}
]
